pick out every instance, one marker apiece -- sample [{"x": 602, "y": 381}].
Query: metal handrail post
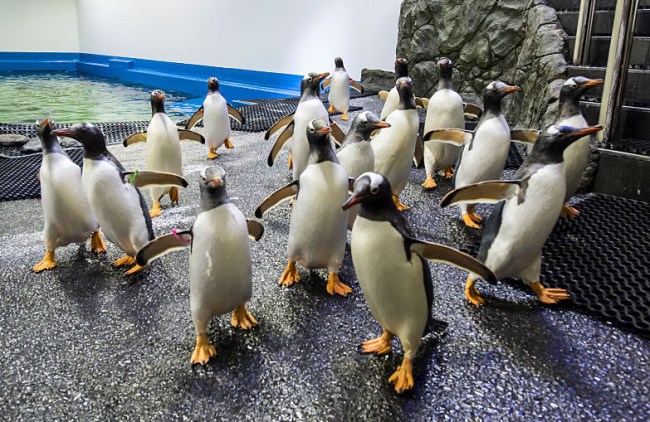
[{"x": 583, "y": 32}]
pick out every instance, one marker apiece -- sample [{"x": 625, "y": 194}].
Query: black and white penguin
[
  {"x": 66, "y": 210},
  {"x": 576, "y": 157},
  {"x": 444, "y": 111},
  {"x": 356, "y": 154},
  {"x": 340, "y": 83},
  {"x": 318, "y": 230},
  {"x": 113, "y": 194},
  {"x": 392, "y": 273},
  {"x": 221, "y": 271},
  {"x": 215, "y": 113},
  {"x": 518, "y": 227},
  {"x": 394, "y": 147},
  {"x": 392, "y": 98}
]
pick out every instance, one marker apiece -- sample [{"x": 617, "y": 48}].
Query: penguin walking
[
  {"x": 356, "y": 154},
  {"x": 221, "y": 271},
  {"x": 163, "y": 149},
  {"x": 317, "y": 232},
  {"x": 576, "y": 156},
  {"x": 113, "y": 194},
  {"x": 527, "y": 210},
  {"x": 340, "y": 83},
  {"x": 66, "y": 210},
  {"x": 444, "y": 111},
  {"x": 393, "y": 97},
  {"x": 395, "y": 146},
  {"x": 395, "y": 280},
  {"x": 215, "y": 113}
]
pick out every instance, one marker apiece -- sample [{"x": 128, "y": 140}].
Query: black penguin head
[
  {"x": 44, "y": 132},
  {"x": 494, "y": 93},
  {"x": 157, "y": 101},
  {"x": 338, "y": 63},
  {"x": 405, "y": 90},
  {"x": 318, "y": 132},
  {"x": 310, "y": 85},
  {"x": 573, "y": 88},
  {"x": 364, "y": 124},
  {"x": 213, "y": 187},
  {"x": 446, "y": 67},
  {"x": 372, "y": 190},
  {"x": 213, "y": 84},
  {"x": 551, "y": 144},
  {"x": 401, "y": 68},
  {"x": 88, "y": 134}
]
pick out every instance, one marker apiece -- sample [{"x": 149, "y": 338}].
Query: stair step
[
  {"x": 634, "y": 120},
  {"x": 604, "y": 21},
  {"x": 599, "y": 51},
  {"x": 637, "y": 88},
  {"x": 600, "y": 4}
]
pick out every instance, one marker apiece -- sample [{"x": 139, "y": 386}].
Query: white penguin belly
[
  {"x": 318, "y": 224},
  {"x": 356, "y": 159},
  {"x": 163, "y": 150},
  {"x": 66, "y": 210},
  {"x": 392, "y": 285},
  {"x": 116, "y": 205},
  {"x": 394, "y": 148},
  {"x": 339, "y": 95},
  {"x": 215, "y": 120},
  {"x": 220, "y": 263},
  {"x": 307, "y": 111},
  {"x": 445, "y": 111},
  {"x": 392, "y": 101},
  {"x": 576, "y": 156}
]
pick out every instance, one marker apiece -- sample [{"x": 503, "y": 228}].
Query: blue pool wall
[{"x": 235, "y": 84}]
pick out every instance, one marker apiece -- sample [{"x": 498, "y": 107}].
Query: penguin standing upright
[
  {"x": 356, "y": 154},
  {"x": 117, "y": 203},
  {"x": 318, "y": 224},
  {"x": 444, "y": 111},
  {"x": 215, "y": 113},
  {"x": 576, "y": 156},
  {"x": 395, "y": 280},
  {"x": 392, "y": 100},
  {"x": 518, "y": 227},
  {"x": 66, "y": 210},
  {"x": 339, "y": 83},
  {"x": 220, "y": 260},
  {"x": 394, "y": 147}
]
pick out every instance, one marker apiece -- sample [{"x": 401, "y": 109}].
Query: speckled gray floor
[{"x": 83, "y": 342}]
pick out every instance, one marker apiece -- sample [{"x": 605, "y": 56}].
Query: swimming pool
[{"x": 70, "y": 97}]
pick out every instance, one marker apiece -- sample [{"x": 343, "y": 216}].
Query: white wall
[
  {"x": 286, "y": 36},
  {"x": 39, "y": 25}
]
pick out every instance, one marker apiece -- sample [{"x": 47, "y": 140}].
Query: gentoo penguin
[
  {"x": 113, "y": 194},
  {"x": 318, "y": 224},
  {"x": 392, "y": 273},
  {"x": 392, "y": 100},
  {"x": 220, "y": 260},
  {"x": 576, "y": 157},
  {"x": 339, "y": 83},
  {"x": 516, "y": 230},
  {"x": 163, "y": 149},
  {"x": 215, "y": 112},
  {"x": 309, "y": 108},
  {"x": 394, "y": 146},
  {"x": 444, "y": 111},
  {"x": 66, "y": 210},
  {"x": 485, "y": 150},
  {"x": 356, "y": 154}
]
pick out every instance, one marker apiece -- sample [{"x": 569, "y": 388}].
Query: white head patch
[
  {"x": 364, "y": 116},
  {"x": 491, "y": 85},
  {"x": 375, "y": 179},
  {"x": 570, "y": 82}
]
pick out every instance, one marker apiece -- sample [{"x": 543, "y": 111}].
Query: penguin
[
  {"x": 163, "y": 149},
  {"x": 309, "y": 108},
  {"x": 221, "y": 271},
  {"x": 113, "y": 194},
  {"x": 576, "y": 157},
  {"x": 66, "y": 210},
  {"x": 215, "y": 112},
  {"x": 392, "y": 99},
  {"x": 340, "y": 83},
  {"x": 395, "y": 146},
  {"x": 317, "y": 232},
  {"x": 395, "y": 280},
  {"x": 356, "y": 154},
  {"x": 444, "y": 111},
  {"x": 527, "y": 210}
]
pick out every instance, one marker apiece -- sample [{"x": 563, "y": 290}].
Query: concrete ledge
[{"x": 623, "y": 174}]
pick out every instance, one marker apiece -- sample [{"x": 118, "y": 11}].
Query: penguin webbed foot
[
  {"x": 331, "y": 109},
  {"x": 345, "y": 116},
  {"x": 97, "y": 244},
  {"x": 448, "y": 172},
  {"x": 379, "y": 346},
  {"x": 174, "y": 195},
  {"x": 429, "y": 183},
  {"x": 135, "y": 269},
  {"x": 212, "y": 154},
  {"x": 467, "y": 219},
  {"x": 400, "y": 206},
  {"x": 242, "y": 318},
  {"x": 569, "y": 212},
  {"x": 472, "y": 294},
  {"x": 203, "y": 350},
  {"x": 155, "y": 210},
  {"x": 228, "y": 144},
  {"x": 47, "y": 263},
  {"x": 124, "y": 261},
  {"x": 290, "y": 161},
  {"x": 402, "y": 378},
  {"x": 335, "y": 286},
  {"x": 290, "y": 275},
  {"x": 549, "y": 296}
]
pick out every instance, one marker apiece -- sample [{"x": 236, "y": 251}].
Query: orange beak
[
  {"x": 324, "y": 130},
  {"x": 382, "y": 125},
  {"x": 511, "y": 89},
  {"x": 594, "y": 82},
  {"x": 216, "y": 182},
  {"x": 353, "y": 200},
  {"x": 323, "y": 76},
  {"x": 587, "y": 131}
]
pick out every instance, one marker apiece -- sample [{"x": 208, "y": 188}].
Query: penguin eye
[
  {"x": 374, "y": 190},
  {"x": 309, "y": 79}
]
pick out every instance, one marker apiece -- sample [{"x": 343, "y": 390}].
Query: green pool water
[{"x": 70, "y": 97}]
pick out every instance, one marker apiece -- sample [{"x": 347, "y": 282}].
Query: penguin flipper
[
  {"x": 382, "y": 95},
  {"x": 337, "y": 134},
  {"x": 441, "y": 253},
  {"x": 472, "y": 110},
  {"x": 278, "y": 125},
  {"x": 135, "y": 138},
  {"x": 458, "y": 137},
  {"x": 326, "y": 83},
  {"x": 279, "y": 143},
  {"x": 235, "y": 114},
  {"x": 524, "y": 136},
  {"x": 422, "y": 102},
  {"x": 418, "y": 154},
  {"x": 163, "y": 245},
  {"x": 276, "y": 198},
  {"x": 153, "y": 178},
  {"x": 489, "y": 192},
  {"x": 255, "y": 229},
  {"x": 188, "y": 135},
  {"x": 196, "y": 117},
  {"x": 356, "y": 86}
]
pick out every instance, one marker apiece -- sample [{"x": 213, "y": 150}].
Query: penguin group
[{"x": 340, "y": 183}]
